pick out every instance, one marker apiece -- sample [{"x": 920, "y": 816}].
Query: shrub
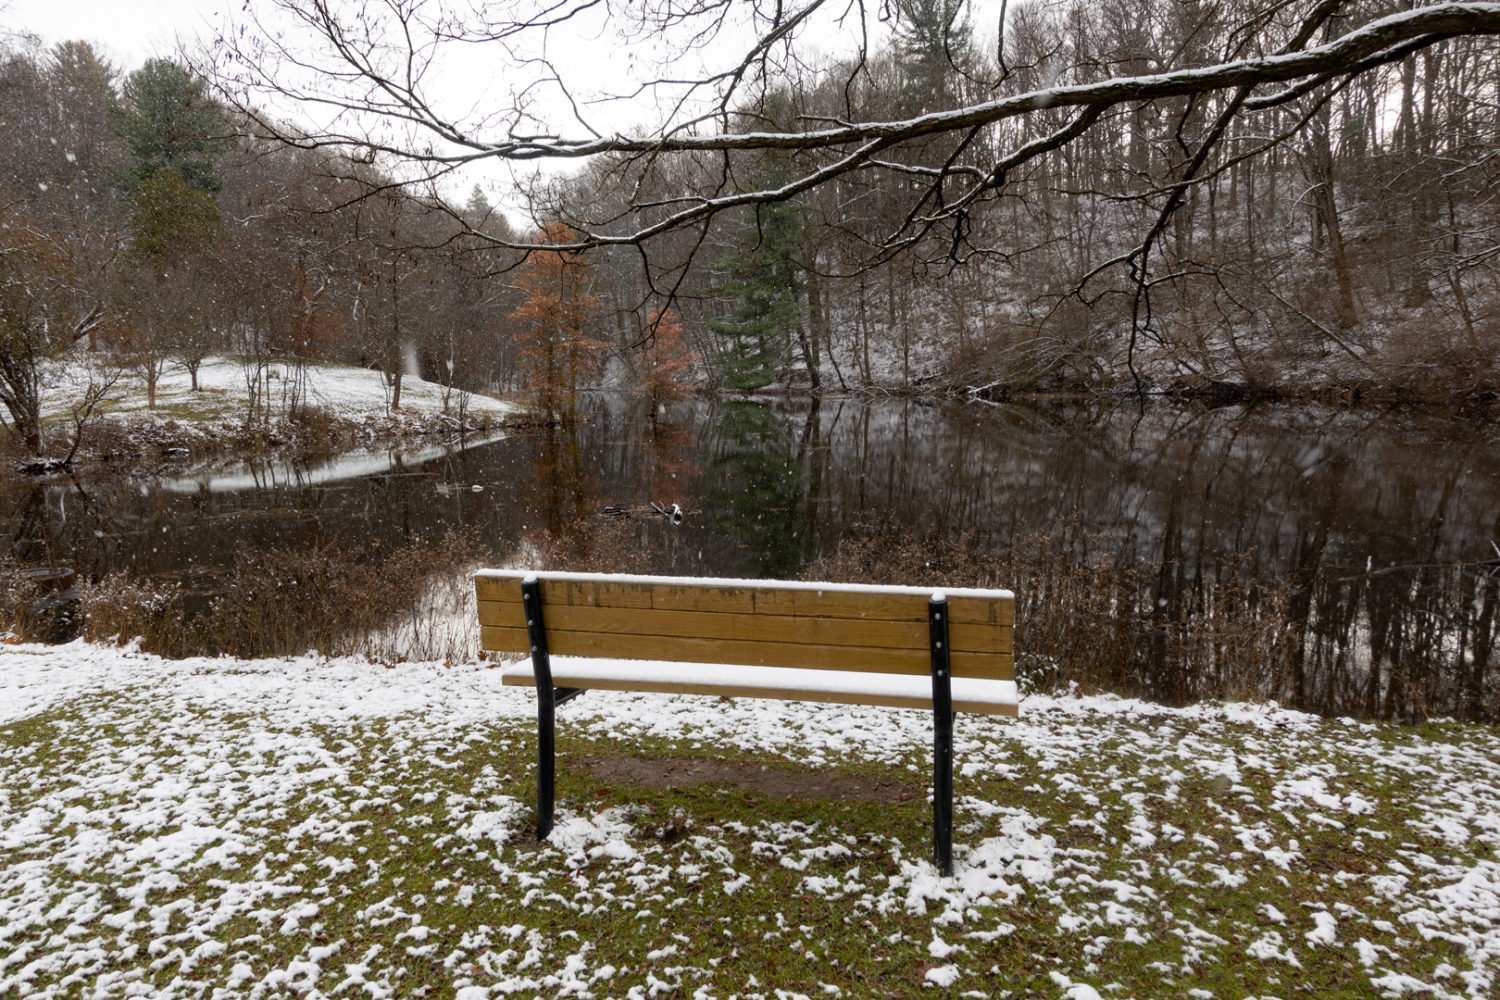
[
  {"x": 328, "y": 597},
  {"x": 1083, "y": 617}
]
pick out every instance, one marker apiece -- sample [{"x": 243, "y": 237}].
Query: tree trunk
[
  {"x": 815, "y": 381},
  {"x": 817, "y": 317},
  {"x": 394, "y": 353},
  {"x": 1325, "y": 208},
  {"x": 1417, "y": 290}
]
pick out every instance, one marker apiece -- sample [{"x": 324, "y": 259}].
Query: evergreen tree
[
  {"x": 166, "y": 279},
  {"x": 765, "y": 281},
  {"x": 169, "y": 219},
  {"x": 933, "y": 38},
  {"x": 83, "y": 88},
  {"x": 167, "y": 120},
  {"x": 762, "y": 276},
  {"x": 478, "y": 210}
]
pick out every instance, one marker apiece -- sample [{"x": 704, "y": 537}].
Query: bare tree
[
  {"x": 1123, "y": 179},
  {"x": 371, "y": 74}
]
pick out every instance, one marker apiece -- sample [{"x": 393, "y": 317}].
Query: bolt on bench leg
[{"x": 942, "y": 736}]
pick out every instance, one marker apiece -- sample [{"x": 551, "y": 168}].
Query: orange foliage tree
[
  {"x": 665, "y": 362},
  {"x": 555, "y": 352}
]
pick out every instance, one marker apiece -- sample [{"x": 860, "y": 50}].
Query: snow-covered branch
[{"x": 369, "y": 79}]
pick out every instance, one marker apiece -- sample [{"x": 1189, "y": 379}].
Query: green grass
[
  {"x": 358, "y": 871},
  {"x": 204, "y": 405}
]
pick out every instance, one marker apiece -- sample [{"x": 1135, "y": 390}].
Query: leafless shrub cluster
[
  {"x": 1085, "y": 617},
  {"x": 123, "y": 607},
  {"x": 1429, "y": 355},
  {"x": 18, "y": 602},
  {"x": 386, "y": 605},
  {"x": 599, "y": 545}
]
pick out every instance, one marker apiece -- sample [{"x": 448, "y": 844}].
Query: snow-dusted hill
[{"x": 224, "y": 391}]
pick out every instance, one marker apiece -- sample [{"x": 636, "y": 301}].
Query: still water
[{"x": 1383, "y": 525}]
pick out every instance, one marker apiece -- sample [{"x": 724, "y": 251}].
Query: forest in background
[{"x": 1340, "y": 233}]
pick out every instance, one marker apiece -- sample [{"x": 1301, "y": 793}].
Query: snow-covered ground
[
  {"x": 334, "y": 828},
  {"x": 357, "y": 394}
]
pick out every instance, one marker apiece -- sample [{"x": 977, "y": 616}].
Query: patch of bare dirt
[{"x": 686, "y": 772}]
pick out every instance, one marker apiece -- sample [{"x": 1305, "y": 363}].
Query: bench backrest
[{"x": 750, "y": 622}]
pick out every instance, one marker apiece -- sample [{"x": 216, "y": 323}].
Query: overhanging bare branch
[{"x": 372, "y": 75}]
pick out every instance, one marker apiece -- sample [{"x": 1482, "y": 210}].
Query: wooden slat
[
  {"x": 795, "y": 694},
  {"x": 751, "y": 627},
  {"x": 748, "y": 598},
  {"x": 755, "y": 654},
  {"x": 750, "y": 623}
]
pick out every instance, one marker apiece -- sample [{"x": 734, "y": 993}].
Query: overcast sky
[{"x": 127, "y": 31}]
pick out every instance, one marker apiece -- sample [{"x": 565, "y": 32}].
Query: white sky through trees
[
  {"x": 454, "y": 93},
  {"x": 127, "y": 31},
  {"x": 587, "y": 54}
]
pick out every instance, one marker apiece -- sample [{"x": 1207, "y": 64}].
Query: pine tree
[
  {"x": 762, "y": 277},
  {"x": 932, "y": 38},
  {"x": 167, "y": 120},
  {"x": 765, "y": 281},
  {"x": 934, "y": 44},
  {"x": 478, "y": 210}
]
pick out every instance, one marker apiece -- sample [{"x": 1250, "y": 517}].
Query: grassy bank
[
  {"x": 311, "y": 827},
  {"x": 242, "y": 406}
]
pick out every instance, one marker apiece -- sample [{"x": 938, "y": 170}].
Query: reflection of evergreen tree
[{"x": 759, "y": 487}]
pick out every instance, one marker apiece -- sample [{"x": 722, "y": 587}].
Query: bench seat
[{"x": 970, "y": 694}]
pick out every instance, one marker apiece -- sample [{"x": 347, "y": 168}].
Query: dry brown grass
[
  {"x": 1083, "y": 617},
  {"x": 327, "y": 598},
  {"x": 18, "y": 603}
]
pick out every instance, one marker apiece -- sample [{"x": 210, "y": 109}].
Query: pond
[{"x": 1379, "y": 529}]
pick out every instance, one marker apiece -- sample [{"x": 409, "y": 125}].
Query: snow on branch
[{"x": 368, "y": 77}]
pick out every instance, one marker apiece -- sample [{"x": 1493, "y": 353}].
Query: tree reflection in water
[
  {"x": 1374, "y": 531},
  {"x": 762, "y": 484}
]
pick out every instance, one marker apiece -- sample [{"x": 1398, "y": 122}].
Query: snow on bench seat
[{"x": 970, "y": 694}]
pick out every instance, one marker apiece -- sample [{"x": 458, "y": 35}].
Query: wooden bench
[{"x": 904, "y": 647}]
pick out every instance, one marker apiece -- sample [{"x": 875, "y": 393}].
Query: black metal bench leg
[
  {"x": 942, "y": 794},
  {"x": 546, "y": 761},
  {"x": 546, "y": 706},
  {"x": 942, "y": 737}
]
